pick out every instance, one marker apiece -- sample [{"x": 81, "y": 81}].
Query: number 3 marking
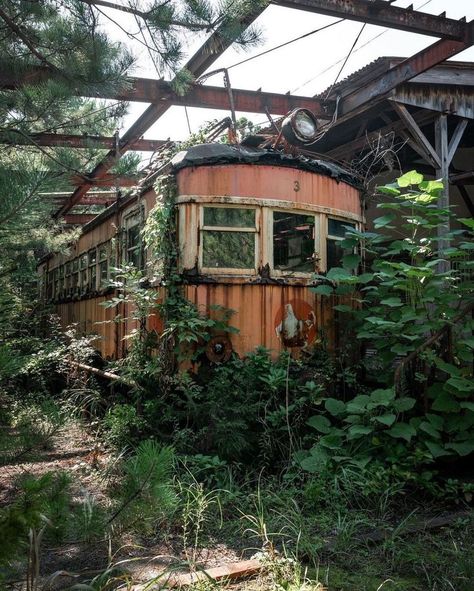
[{"x": 296, "y": 186}]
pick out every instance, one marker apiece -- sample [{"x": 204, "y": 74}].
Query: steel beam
[
  {"x": 383, "y": 84},
  {"x": 106, "y": 180},
  {"x": 157, "y": 91},
  {"x": 208, "y": 53},
  {"x": 77, "y": 141},
  {"x": 381, "y": 13}
]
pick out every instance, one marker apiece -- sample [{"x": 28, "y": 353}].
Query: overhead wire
[
  {"x": 368, "y": 42},
  {"x": 313, "y": 32},
  {"x": 346, "y": 60}
]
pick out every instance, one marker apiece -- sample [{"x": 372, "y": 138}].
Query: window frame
[
  {"x": 130, "y": 220},
  {"x": 247, "y": 230},
  {"x": 92, "y": 268},
  {"x": 317, "y": 242},
  {"x": 328, "y": 236}
]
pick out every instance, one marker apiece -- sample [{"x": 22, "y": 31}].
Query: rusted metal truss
[
  {"x": 402, "y": 72},
  {"x": 78, "y": 141},
  {"x": 382, "y": 13},
  {"x": 106, "y": 180},
  {"x": 92, "y": 198},
  {"x": 211, "y": 50},
  {"x": 455, "y": 36},
  {"x": 156, "y": 91}
]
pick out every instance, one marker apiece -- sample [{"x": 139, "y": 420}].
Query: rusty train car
[{"x": 253, "y": 225}]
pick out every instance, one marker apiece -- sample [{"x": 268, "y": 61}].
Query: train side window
[
  {"x": 335, "y": 235},
  {"x": 83, "y": 264},
  {"x": 228, "y": 238},
  {"x": 67, "y": 278},
  {"x": 134, "y": 251},
  {"x": 75, "y": 277},
  {"x": 49, "y": 284},
  {"x": 93, "y": 269},
  {"x": 103, "y": 266},
  {"x": 293, "y": 242}
]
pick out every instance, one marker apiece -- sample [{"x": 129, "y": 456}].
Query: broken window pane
[
  {"x": 231, "y": 217},
  {"x": 338, "y": 227},
  {"x": 232, "y": 250},
  {"x": 334, "y": 251},
  {"x": 293, "y": 242},
  {"x": 134, "y": 246}
]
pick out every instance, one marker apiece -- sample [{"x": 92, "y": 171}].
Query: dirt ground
[{"x": 74, "y": 451}]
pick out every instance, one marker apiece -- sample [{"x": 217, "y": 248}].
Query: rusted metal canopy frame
[
  {"x": 63, "y": 140},
  {"x": 381, "y": 13},
  {"x": 211, "y": 50},
  {"x": 155, "y": 91},
  {"x": 375, "y": 90},
  {"x": 406, "y": 70}
]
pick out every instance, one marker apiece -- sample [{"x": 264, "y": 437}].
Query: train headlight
[{"x": 300, "y": 127}]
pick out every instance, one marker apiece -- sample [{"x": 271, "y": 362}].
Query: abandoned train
[{"x": 253, "y": 227}]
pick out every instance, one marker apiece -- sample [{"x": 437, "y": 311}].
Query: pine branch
[
  {"x": 21, "y": 35},
  {"x": 145, "y": 15}
]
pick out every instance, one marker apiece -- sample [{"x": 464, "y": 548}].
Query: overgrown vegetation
[{"x": 327, "y": 466}]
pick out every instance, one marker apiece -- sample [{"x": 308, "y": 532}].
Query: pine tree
[{"x": 66, "y": 40}]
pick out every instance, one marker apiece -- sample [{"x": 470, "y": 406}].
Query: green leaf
[
  {"x": 389, "y": 189},
  {"x": 436, "y": 450},
  {"x": 356, "y": 431},
  {"x": 469, "y": 222},
  {"x": 402, "y": 431},
  {"x": 387, "y": 419},
  {"x": 467, "y": 405},
  {"x": 428, "y": 428},
  {"x": 320, "y": 423},
  {"x": 463, "y": 448},
  {"x": 358, "y": 404},
  {"x": 316, "y": 461},
  {"x": 334, "y": 406},
  {"x": 404, "y": 404},
  {"x": 382, "y": 397},
  {"x": 392, "y": 302},
  {"x": 430, "y": 186},
  {"x": 338, "y": 274},
  {"x": 331, "y": 441},
  {"x": 410, "y": 178},
  {"x": 326, "y": 290},
  {"x": 365, "y": 277},
  {"x": 444, "y": 402},
  {"x": 435, "y": 420},
  {"x": 384, "y": 220},
  {"x": 460, "y": 384},
  {"x": 351, "y": 261},
  {"x": 449, "y": 368}
]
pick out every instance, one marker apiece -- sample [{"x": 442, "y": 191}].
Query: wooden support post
[
  {"x": 425, "y": 146},
  {"x": 442, "y": 172}
]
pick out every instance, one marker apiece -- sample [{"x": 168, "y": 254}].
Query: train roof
[{"x": 217, "y": 153}]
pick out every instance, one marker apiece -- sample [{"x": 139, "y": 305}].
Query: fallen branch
[{"x": 102, "y": 374}]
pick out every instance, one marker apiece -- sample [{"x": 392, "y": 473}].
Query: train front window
[
  {"x": 334, "y": 251},
  {"x": 293, "y": 242},
  {"x": 228, "y": 238}
]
